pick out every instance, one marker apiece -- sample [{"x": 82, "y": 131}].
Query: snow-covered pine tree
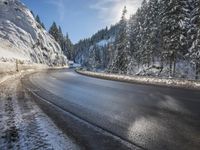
[
  {"x": 135, "y": 37},
  {"x": 98, "y": 57},
  {"x": 111, "y": 56},
  {"x": 138, "y": 36},
  {"x": 121, "y": 59},
  {"x": 132, "y": 40},
  {"x": 64, "y": 41},
  {"x": 105, "y": 56},
  {"x": 143, "y": 50},
  {"x": 152, "y": 39},
  {"x": 194, "y": 35},
  {"x": 173, "y": 24}
]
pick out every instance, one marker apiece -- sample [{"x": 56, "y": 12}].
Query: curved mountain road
[{"x": 146, "y": 116}]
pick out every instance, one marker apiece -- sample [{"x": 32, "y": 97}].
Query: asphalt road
[{"x": 147, "y": 116}]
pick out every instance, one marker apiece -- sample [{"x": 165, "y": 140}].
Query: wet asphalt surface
[{"x": 146, "y": 116}]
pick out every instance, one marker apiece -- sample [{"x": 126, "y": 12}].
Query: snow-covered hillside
[
  {"x": 93, "y": 52},
  {"x": 94, "y": 56},
  {"x": 161, "y": 39},
  {"x": 21, "y": 37}
]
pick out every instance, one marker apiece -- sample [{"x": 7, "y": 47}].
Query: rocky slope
[{"x": 21, "y": 37}]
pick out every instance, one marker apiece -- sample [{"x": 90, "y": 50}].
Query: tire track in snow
[{"x": 24, "y": 126}]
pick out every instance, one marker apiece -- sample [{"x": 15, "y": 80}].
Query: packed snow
[
  {"x": 22, "y": 38},
  {"x": 8, "y": 54},
  {"x": 105, "y": 42}
]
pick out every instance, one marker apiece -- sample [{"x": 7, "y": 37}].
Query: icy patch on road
[
  {"x": 164, "y": 131},
  {"x": 142, "y": 128},
  {"x": 172, "y": 104}
]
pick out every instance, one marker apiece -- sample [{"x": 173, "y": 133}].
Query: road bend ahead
[{"x": 146, "y": 116}]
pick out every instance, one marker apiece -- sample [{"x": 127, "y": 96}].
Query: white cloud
[
  {"x": 60, "y": 7},
  {"x": 110, "y": 10}
]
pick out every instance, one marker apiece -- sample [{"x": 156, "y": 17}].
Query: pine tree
[
  {"x": 54, "y": 31},
  {"x": 32, "y": 13},
  {"x": 68, "y": 47},
  {"x": 143, "y": 34},
  {"x": 43, "y": 26},
  {"x": 37, "y": 18},
  {"x": 194, "y": 35},
  {"x": 138, "y": 35},
  {"x": 135, "y": 36},
  {"x": 122, "y": 47},
  {"x": 172, "y": 31},
  {"x": 152, "y": 39},
  {"x": 60, "y": 37}
]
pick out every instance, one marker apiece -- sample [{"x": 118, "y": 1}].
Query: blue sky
[{"x": 81, "y": 18}]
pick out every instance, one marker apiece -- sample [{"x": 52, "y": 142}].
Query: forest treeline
[{"x": 161, "y": 38}]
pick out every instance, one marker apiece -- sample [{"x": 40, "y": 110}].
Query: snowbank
[
  {"x": 10, "y": 70},
  {"x": 143, "y": 80},
  {"x": 184, "y": 70}
]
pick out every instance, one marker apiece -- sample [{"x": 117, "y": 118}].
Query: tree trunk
[
  {"x": 174, "y": 65},
  {"x": 174, "y": 68},
  {"x": 197, "y": 71},
  {"x": 170, "y": 67}
]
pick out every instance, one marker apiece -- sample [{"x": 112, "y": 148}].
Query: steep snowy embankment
[{"x": 21, "y": 37}]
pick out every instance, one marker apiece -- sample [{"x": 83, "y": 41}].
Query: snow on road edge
[
  {"x": 177, "y": 83},
  {"x": 10, "y": 72}
]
